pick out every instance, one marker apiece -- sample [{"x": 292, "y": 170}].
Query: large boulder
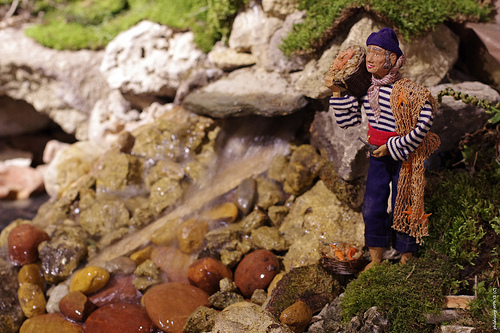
[
  {"x": 61, "y": 85},
  {"x": 246, "y": 91},
  {"x": 149, "y": 61}
]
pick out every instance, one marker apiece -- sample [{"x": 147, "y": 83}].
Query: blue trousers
[{"x": 378, "y": 222}]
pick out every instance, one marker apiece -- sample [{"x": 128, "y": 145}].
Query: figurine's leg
[{"x": 375, "y": 203}]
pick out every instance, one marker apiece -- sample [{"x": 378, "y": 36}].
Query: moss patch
[
  {"x": 92, "y": 24},
  {"x": 403, "y": 292}
]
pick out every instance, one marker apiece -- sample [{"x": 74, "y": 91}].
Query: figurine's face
[{"x": 376, "y": 61}]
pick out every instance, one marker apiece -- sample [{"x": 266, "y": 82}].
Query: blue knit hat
[{"x": 386, "y": 39}]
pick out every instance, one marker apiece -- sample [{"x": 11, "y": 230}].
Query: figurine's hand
[
  {"x": 381, "y": 151},
  {"x": 336, "y": 90}
]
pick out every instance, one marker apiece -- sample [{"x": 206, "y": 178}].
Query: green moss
[
  {"x": 411, "y": 18},
  {"x": 402, "y": 292},
  {"x": 464, "y": 209},
  {"x": 92, "y": 24}
]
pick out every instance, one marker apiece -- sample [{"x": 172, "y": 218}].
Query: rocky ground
[{"x": 185, "y": 166}]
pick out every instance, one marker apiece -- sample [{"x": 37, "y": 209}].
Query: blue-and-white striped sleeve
[
  {"x": 401, "y": 147},
  {"x": 346, "y": 111}
]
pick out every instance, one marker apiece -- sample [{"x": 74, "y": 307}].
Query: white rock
[{"x": 150, "y": 59}]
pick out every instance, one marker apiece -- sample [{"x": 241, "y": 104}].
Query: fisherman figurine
[{"x": 400, "y": 114}]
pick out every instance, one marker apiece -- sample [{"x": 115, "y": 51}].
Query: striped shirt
[{"x": 347, "y": 113}]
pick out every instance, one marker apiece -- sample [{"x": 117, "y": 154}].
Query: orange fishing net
[{"x": 407, "y": 100}]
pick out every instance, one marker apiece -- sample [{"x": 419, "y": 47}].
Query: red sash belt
[{"x": 377, "y": 137}]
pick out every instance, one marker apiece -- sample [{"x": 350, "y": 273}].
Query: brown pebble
[
  {"x": 76, "y": 306},
  {"x": 297, "y": 316},
  {"x": 50, "y": 323},
  {"x": 206, "y": 273},
  {"x": 118, "y": 318},
  {"x": 227, "y": 212},
  {"x": 119, "y": 289},
  {"x": 23, "y": 244},
  {"x": 256, "y": 271},
  {"x": 31, "y": 273},
  {"x": 191, "y": 235},
  {"x": 170, "y": 304}
]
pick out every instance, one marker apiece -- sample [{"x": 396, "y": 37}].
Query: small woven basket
[
  {"x": 358, "y": 82},
  {"x": 348, "y": 267}
]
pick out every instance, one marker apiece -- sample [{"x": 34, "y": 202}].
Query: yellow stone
[
  {"x": 31, "y": 273},
  {"x": 50, "y": 323},
  {"x": 142, "y": 255},
  {"x": 166, "y": 235},
  {"x": 227, "y": 212},
  {"x": 89, "y": 279},
  {"x": 191, "y": 235},
  {"x": 32, "y": 299}
]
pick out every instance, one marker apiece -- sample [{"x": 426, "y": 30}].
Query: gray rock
[
  {"x": 245, "y": 92},
  {"x": 341, "y": 146},
  {"x": 272, "y": 58},
  {"x": 62, "y": 85},
  {"x": 252, "y": 29}
]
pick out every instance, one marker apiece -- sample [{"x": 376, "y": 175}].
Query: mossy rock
[{"x": 311, "y": 284}]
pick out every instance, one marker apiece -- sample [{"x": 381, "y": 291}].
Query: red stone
[
  {"x": 23, "y": 244},
  {"x": 119, "y": 318},
  {"x": 76, "y": 306},
  {"x": 118, "y": 289},
  {"x": 170, "y": 304},
  {"x": 206, "y": 273},
  {"x": 256, "y": 271}
]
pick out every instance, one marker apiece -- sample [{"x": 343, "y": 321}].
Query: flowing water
[{"x": 246, "y": 149}]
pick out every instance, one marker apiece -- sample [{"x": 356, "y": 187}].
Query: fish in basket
[
  {"x": 342, "y": 258},
  {"x": 348, "y": 70}
]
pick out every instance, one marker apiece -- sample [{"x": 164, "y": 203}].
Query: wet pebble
[
  {"x": 50, "y": 323},
  {"x": 32, "y": 299},
  {"x": 76, "y": 306},
  {"x": 191, "y": 235},
  {"x": 226, "y": 212},
  {"x": 206, "y": 273},
  {"x": 119, "y": 318},
  {"x": 89, "y": 279},
  {"x": 121, "y": 266},
  {"x": 31, "y": 273},
  {"x": 165, "y": 309},
  {"x": 172, "y": 262},
  {"x": 119, "y": 289},
  {"x": 256, "y": 271},
  {"x": 297, "y": 316},
  {"x": 23, "y": 244}
]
